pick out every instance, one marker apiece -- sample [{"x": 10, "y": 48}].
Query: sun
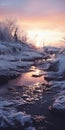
[{"x": 43, "y": 37}]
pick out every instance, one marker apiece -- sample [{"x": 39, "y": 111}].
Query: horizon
[{"x": 42, "y": 20}]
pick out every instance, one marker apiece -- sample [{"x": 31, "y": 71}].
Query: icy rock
[
  {"x": 59, "y": 104},
  {"x": 21, "y": 118}
]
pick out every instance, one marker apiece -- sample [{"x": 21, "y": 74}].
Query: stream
[{"x": 35, "y": 90}]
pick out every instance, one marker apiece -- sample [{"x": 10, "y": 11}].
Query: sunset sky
[{"x": 43, "y": 20}]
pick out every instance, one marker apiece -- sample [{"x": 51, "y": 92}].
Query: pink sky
[{"x": 36, "y": 15}]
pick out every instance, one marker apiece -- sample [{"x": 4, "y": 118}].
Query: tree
[{"x": 7, "y": 30}]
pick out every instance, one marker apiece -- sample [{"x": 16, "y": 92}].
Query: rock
[{"x": 59, "y": 104}]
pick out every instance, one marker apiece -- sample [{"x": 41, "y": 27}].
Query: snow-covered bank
[
  {"x": 14, "y": 57},
  {"x": 10, "y": 118},
  {"x": 56, "y": 74},
  {"x": 59, "y": 103}
]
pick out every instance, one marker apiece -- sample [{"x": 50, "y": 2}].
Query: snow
[
  {"x": 56, "y": 74},
  {"x": 21, "y": 118},
  {"x": 56, "y": 68},
  {"x": 61, "y": 59},
  {"x": 5, "y": 103},
  {"x": 49, "y": 49},
  {"x": 10, "y": 117},
  {"x": 15, "y": 56},
  {"x": 59, "y": 103}
]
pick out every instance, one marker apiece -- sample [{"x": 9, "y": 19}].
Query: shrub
[{"x": 8, "y": 30}]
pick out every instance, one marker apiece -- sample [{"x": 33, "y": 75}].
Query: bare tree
[
  {"x": 7, "y": 29},
  {"x": 15, "y": 35}
]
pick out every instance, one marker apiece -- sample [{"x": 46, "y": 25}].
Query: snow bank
[
  {"x": 10, "y": 118},
  {"x": 51, "y": 50},
  {"x": 56, "y": 68},
  {"x": 60, "y": 63},
  {"x": 16, "y": 56},
  {"x": 61, "y": 59},
  {"x": 59, "y": 103},
  {"x": 56, "y": 74}
]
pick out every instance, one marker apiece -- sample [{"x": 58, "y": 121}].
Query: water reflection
[
  {"x": 32, "y": 77},
  {"x": 29, "y": 85},
  {"x": 29, "y": 93}
]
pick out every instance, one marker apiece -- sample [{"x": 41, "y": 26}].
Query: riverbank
[{"x": 32, "y": 96}]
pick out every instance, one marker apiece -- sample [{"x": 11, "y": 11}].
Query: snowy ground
[
  {"x": 10, "y": 118},
  {"x": 16, "y": 58},
  {"x": 56, "y": 74}
]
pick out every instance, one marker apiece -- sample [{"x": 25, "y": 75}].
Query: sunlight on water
[
  {"x": 29, "y": 85},
  {"x": 30, "y": 78}
]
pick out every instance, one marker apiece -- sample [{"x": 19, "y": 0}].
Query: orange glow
[
  {"x": 42, "y": 31},
  {"x": 49, "y": 22},
  {"x": 44, "y": 37}
]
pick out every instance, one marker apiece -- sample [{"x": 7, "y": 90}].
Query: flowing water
[
  {"x": 32, "y": 87},
  {"x": 29, "y": 84}
]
